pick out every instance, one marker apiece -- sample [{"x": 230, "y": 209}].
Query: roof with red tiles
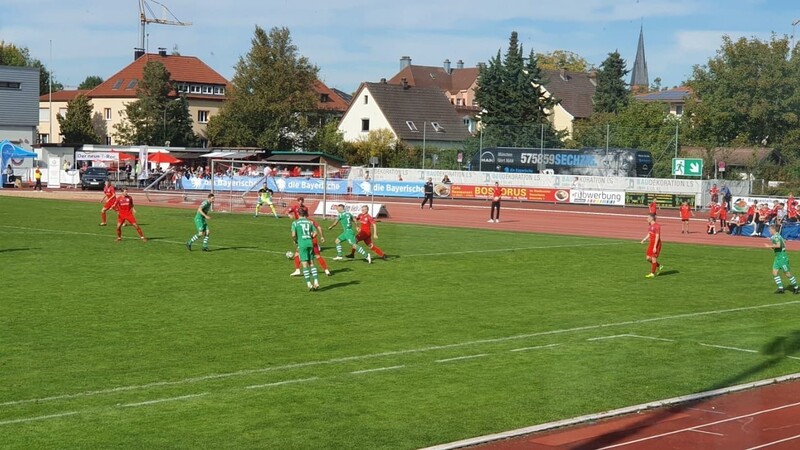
[
  {"x": 182, "y": 69},
  {"x": 328, "y": 99},
  {"x": 430, "y": 76},
  {"x": 63, "y": 96}
]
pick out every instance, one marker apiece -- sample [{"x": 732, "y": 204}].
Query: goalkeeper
[{"x": 265, "y": 196}]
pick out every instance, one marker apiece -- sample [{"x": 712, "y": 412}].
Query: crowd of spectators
[{"x": 759, "y": 215}]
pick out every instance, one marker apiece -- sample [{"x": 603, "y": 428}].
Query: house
[
  {"x": 574, "y": 90},
  {"x": 675, "y": 98},
  {"x": 419, "y": 116},
  {"x": 19, "y": 89},
  {"x": 330, "y": 102},
  {"x": 204, "y": 88},
  {"x": 741, "y": 160}
]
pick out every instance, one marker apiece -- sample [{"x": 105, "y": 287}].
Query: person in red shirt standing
[
  {"x": 653, "y": 207},
  {"x": 714, "y": 211},
  {"x": 109, "y": 201},
  {"x": 723, "y": 216},
  {"x": 685, "y": 212},
  {"x": 126, "y": 212},
  {"x": 654, "y": 248},
  {"x": 368, "y": 229},
  {"x": 496, "y": 195},
  {"x": 791, "y": 209},
  {"x": 714, "y": 191}
]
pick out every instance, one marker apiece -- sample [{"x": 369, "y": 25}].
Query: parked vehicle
[{"x": 94, "y": 178}]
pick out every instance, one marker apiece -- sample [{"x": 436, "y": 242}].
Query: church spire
[{"x": 639, "y": 78}]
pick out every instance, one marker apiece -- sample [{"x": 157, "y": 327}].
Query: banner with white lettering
[{"x": 593, "y": 197}]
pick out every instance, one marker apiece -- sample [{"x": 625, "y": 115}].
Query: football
[{"x": 289, "y": 254}]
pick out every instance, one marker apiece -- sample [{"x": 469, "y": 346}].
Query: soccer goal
[{"x": 236, "y": 183}]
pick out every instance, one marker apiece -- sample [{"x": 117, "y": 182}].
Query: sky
[{"x": 353, "y": 41}]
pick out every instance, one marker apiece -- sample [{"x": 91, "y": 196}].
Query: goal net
[{"x": 236, "y": 185}]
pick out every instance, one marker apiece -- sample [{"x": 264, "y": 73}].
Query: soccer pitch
[{"x": 460, "y": 333}]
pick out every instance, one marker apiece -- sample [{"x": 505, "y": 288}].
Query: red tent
[
  {"x": 125, "y": 156},
  {"x": 162, "y": 158}
]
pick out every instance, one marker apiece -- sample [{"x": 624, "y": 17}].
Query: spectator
[
  {"x": 714, "y": 211},
  {"x": 752, "y": 210},
  {"x": 714, "y": 191},
  {"x": 736, "y": 223},
  {"x": 723, "y": 216},
  {"x": 9, "y": 175},
  {"x": 791, "y": 209},
  {"x": 726, "y": 196},
  {"x": 711, "y": 228},
  {"x": 446, "y": 180},
  {"x": 67, "y": 165},
  {"x": 762, "y": 216}
]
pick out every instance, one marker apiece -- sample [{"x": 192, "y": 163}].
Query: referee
[{"x": 428, "y": 194}]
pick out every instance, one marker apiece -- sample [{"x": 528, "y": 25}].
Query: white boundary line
[
  {"x": 637, "y": 336},
  {"x": 162, "y": 400},
  {"x": 281, "y": 383},
  {"x": 31, "y": 419},
  {"x": 379, "y": 369},
  {"x": 725, "y": 347},
  {"x": 613, "y": 413},
  {"x": 769, "y": 444},
  {"x": 538, "y": 347},
  {"x": 240, "y": 373},
  {"x": 461, "y": 358}
]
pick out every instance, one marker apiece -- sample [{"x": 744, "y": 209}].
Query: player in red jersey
[
  {"x": 294, "y": 210},
  {"x": 654, "y": 248},
  {"x": 322, "y": 263},
  {"x": 126, "y": 212},
  {"x": 685, "y": 212},
  {"x": 368, "y": 229},
  {"x": 109, "y": 201},
  {"x": 723, "y": 216},
  {"x": 652, "y": 207}
]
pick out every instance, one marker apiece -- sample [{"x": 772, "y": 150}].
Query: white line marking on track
[
  {"x": 707, "y": 432},
  {"x": 161, "y": 400},
  {"x": 217, "y": 376},
  {"x": 656, "y": 436},
  {"x": 379, "y": 369},
  {"x": 525, "y": 349},
  {"x": 769, "y": 444},
  {"x": 31, "y": 419},
  {"x": 460, "y": 358},
  {"x": 281, "y": 383},
  {"x": 725, "y": 347},
  {"x": 710, "y": 411}
]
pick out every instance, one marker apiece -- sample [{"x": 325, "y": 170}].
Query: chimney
[
  {"x": 446, "y": 66},
  {"x": 562, "y": 72},
  {"x": 459, "y": 64},
  {"x": 481, "y": 65},
  {"x": 593, "y": 77},
  {"x": 404, "y": 81},
  {"x": 137, "y": 53},
  {"x": 405, "y": 61},
  {"x": 162, "y": 51},
  {"x": 383, "y": 80}
]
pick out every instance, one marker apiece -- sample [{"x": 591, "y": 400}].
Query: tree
[
  {"x": 376, "y": 143},
  {"x": 515, "y": 105},
  {"x": 76, "y": 124},
  {"x": 91, "y": 82},
  {"x": 562, "y": 59},
  {"x": 155, "y": 117},
  {"x": 612, "y": 93},
  {"x": 271, "y": 98},
  {"x": 11, "y": 55},
  {"x": 100, "y": 127}
]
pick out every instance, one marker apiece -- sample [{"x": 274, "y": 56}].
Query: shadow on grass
[
  {"x": 340, "y": 270},
  {"x": 338, "y": 285},
  {"x": 668, "y": 273},
  {"x": 235, "y": 247},
  {"x": 777, "y": 349},
  {"x": 21, "y": 249}
]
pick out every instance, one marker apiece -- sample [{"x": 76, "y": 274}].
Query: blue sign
[
  {"x": 389, "y": 188},
  {"x": 296, "y": 185}
]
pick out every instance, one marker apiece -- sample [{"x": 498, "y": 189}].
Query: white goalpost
[{"x": 236, "y": 183}]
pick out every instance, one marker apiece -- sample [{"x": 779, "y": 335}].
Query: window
[
  {"x": 366, "y": 99},
  {"x": 132, "y": 84},
  {"x": 62, "y": 112},
  {"x": 364, "y": 124},
  {"x": 207, "y": 90},
  {"x": 117, "y": 84},
  {"x": 194, "y": 89},
  {"x": 202, "y": 116},
  {"x": 107, "y": 113},
  {"x": 44, "y": 138},
  {"x": 466, "y": 122},
  {"x": 411, "y": 126},
  {"x": 108, "y": 140},
  {"x": 44, "y": 114},
  {"x": 437, "y": 128},
  {"x": 460, "y": 102},
  {"x": 678, "y": 110},
  {"x": 219, "y": 90},
  {"x": 324, "y": 98},
  {"x": 10, "y": 85}
]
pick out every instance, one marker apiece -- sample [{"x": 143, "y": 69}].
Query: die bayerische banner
[{"x": 296, "y": 185}]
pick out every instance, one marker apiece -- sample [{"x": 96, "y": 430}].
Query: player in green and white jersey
[
  {"x": 348, "y": 234},
  {"x": 781, "y": 261},
  {"x": 265, "y": 196},
  {"x": 201, "y": 218},
  {"x": 303, "y": 233}
]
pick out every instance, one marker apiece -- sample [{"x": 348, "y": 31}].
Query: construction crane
[{"x": 145, "y": 18}]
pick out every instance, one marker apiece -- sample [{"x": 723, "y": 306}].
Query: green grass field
[{"x": 460, "y": 333}]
